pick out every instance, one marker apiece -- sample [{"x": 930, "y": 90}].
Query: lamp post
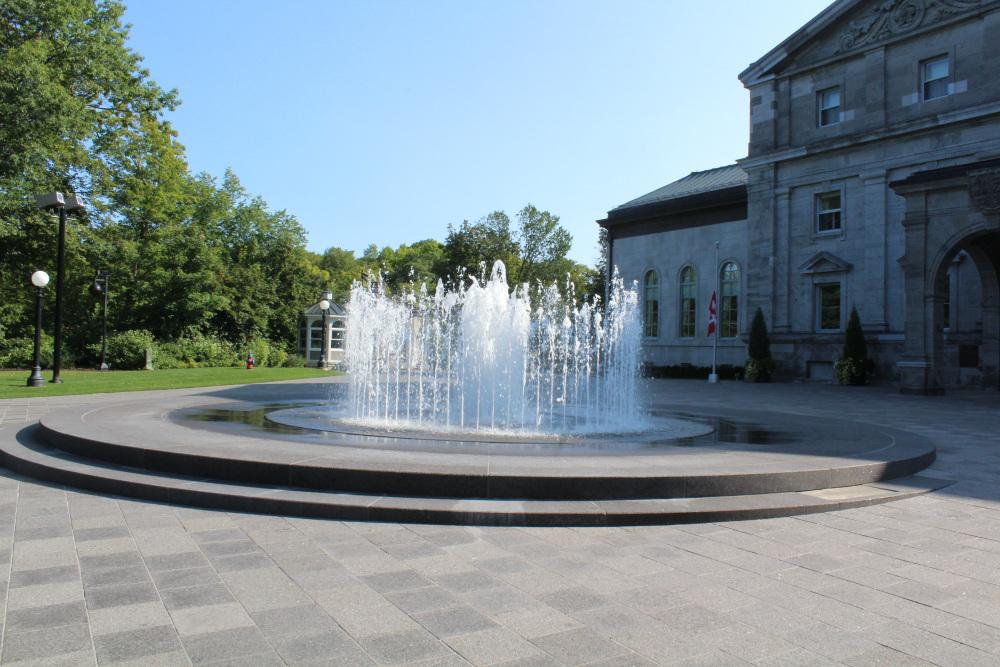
[
  {"x": 39, "y": 279},
  {"x": 324, "y": 305},
  {"x": 101, "y": 286},
  {"x": 63, "y": 203}
]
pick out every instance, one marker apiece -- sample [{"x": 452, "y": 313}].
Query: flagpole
[{"x": 714, "y": 377}]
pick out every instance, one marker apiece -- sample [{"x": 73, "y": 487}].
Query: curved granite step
[
  {"x": 30, "y": 456},
  {"x": 671, "y": 472}
]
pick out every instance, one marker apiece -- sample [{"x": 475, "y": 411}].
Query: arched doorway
[
  {"x": 952, "y": 234},
  {"x": 965, "y": 305}
]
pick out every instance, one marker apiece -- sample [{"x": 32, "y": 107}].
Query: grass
[{"x": 13, "y": 383}]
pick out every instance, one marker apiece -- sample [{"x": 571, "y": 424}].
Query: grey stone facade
[{"x": 869, "y": 172}]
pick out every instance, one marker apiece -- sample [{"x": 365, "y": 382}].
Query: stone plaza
[{"x": 93, "y": 578}]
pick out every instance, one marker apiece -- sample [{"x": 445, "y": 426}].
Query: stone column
[
  {"x": 783, "y": 261},
  {"x": 874, "y": 305},
  {"x": 917, "y": 367}
]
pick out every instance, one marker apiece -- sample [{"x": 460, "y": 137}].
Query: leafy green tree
[
  {"x": 75, "y": 104},
  {"x": 342, "y": 267},
  {"x": 472, "y": 246},
  {"x": 543, "y": 244}
]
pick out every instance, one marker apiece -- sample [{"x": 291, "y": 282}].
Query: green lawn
[{"x": 13, "y": 383}]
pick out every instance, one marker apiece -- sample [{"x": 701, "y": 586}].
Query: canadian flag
[{"x": 713, "y": 309}]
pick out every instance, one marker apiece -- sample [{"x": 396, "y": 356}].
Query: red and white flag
[{"x": 713, "y": 307}]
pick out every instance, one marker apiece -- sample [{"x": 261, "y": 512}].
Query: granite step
[{"x": 29, "y": 455}]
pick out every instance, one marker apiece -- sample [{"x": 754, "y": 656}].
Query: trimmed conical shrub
[
  {"x": 855, "y": 346},
  {"x": 760, "y": 365},
  {"x": 854, "y": 367}
]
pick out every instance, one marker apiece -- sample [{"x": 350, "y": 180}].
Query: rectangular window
[
  {"x": 934, "y": 75},
  {"x": 828, "y": 102},
  {"x": 828, "y": 307},
  {"x": 828, "y": 212},
  {"x": 316, "y": 340}
]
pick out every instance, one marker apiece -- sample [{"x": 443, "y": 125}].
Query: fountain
[
  {"x": 483, "y": 358},
  {"x": 477, "y": 405}
]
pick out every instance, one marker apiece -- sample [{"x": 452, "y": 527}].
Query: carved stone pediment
[
  {"x": 984, "y": 189},
  {"x": 891, "y": 18},
  {"x": 825, "y": 262}
]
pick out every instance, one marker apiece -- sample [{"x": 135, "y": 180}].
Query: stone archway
[
  {"x": 947, "y": 211},
  {"x": 965, "y": 307}
]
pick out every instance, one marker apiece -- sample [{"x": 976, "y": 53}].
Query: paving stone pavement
[{"x": 86, "y": 579}]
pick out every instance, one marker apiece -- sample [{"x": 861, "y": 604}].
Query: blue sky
[{"x": 382, "y": 121}]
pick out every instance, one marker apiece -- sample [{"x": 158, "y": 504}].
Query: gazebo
[{"x": 311, "y": 333}]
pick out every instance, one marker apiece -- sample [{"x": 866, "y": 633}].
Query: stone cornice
[{"x": 852, "y": 140}]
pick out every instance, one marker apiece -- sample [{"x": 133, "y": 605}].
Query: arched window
[
  {"x": 651, "y": 304},
  {"x": 689, "y": 302},
  {"x": 729, "y": 313}
]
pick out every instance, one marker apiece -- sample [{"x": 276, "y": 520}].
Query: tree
[
  {"x": 760, "y": 365},
  {"x": 543, "y": 245},
  {"x": 75, "y": 108},
  {"x": 854, "y": 367},
  {"x": 342, "y": 267},
  {"x": 475, "y": 245}
]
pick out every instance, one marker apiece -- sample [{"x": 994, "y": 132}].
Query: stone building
[
  {"x": 872, "y": 181},
  {"x": 310, "y": 343}
]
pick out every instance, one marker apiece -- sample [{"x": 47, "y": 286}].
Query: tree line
[{"x": 191, "y": 255}]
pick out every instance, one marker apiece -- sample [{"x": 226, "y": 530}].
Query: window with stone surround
[
  {"x": 689, "y": 302},
  {"x": 729, "y": 287},
  {"x": 828, "y": 315},
  {"x": 828, "y": 212},
  {"x": 934, "y": 76},
  {"x": 828, "y": 106},
  {"x": 651, "y": 305}
]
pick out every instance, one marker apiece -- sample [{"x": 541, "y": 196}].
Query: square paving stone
[
  {"x": 218, "y": 535},
  {"x": 135, "y": 644},
  {"x": 196, "y": 596},
  {"x": 115, "y": 596},
  {"x": 45, "y": 645},
  {"x": 574, "y": 599},
  {"x": 240, "y": 562},
  {"x": 467, "y": 581},
  {"x": 579, "y": 646},
  {"x": 328, "y": 648},
  {"x": 45, "y": 575},
  {"x": 293, "y": 621},
  {"x": 104, "y": 533},
  {"x": 108, "y": 561},
  {"x": 417, "y": 600},
  {"x": 178, "y": 561},
  {"x": 194, "y": 576},
  {"x": 128, "y": 617},
  {"x": 218, "y": 549},
  {"x": 51, "y": 616},
  {"x": 225, "y": 644},
  {"x": 396, "y": 581},
  {"x": 453, "y": 621},
  {"x": 265, "y": 589},
  {"x": 213, "y": 618},
  {"x": 493, "y": 646},
  {"x": 115, "y": 576},
  {"x": 44, "y": 595},
  {"x": 402, "y": 647}
]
